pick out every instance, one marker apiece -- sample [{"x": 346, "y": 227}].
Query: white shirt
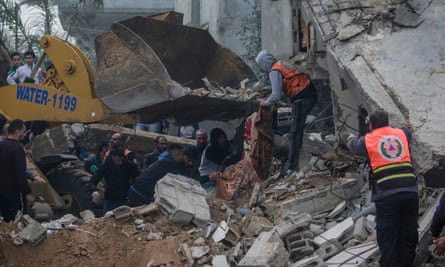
[{"x": 25, "y": 71}]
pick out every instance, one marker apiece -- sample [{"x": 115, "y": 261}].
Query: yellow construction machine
[{"x": 132, "y": 82}]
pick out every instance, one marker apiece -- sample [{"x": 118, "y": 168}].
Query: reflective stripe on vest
[
  {"x": 293, "y": 80},
  {"x": 389, "y": 154}
]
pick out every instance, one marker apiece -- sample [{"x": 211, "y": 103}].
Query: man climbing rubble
[
  {"x": 394, "y": 188},
  {"x": 297, "y": 86}
]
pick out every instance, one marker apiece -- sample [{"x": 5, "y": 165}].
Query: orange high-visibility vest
[
  {"x": 389, "y": 157},
  {"x": 294, "y": 81}
]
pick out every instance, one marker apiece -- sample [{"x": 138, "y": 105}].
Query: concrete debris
[
  {"x": 340, "y": 232},
  {"x": 34, "y": 233},
  {"x": 300, "y": 221},
  {"x": 87, "y": 216},
  {"x": 267, "y": 250},
  {"x": 253, "y": 225},
  {"x": 122, "y": 213},
  {"x": 355, "y": 256},
  {"x": 220, "y": 261},
  {"x": 299, "y": 245},
  {"x": 199, "y": 252},
  {"x": 404, "y": 17},
  {"x": 360, "y": 232},
  {"x": 314, "y": 261},
  {"x": 329, "y": 249},
  {"x": 338, "y": 210},
  {"x": 183, "y": 199},
  {"x": 220, "y": 232}
]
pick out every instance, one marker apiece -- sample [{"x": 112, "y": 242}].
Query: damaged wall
[{"x": 382, "y": 55}]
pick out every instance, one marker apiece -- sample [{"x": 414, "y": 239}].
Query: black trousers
[
  {"x": 10, "y": 203},
  {"x": 300, "y": 109},
  {"x": 397, "y": 234}
]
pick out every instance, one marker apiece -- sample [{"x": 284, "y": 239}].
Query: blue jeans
[
  {"x": 300, "y": 109},
  {"x": 111, "y": 205}
]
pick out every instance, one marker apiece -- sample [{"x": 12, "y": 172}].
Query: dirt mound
[{"x": 102, "y": 242}]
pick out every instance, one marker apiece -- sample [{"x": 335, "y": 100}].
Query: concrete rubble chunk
[
  {"x": 419, "y": 5},
  {"x": 220, "y": 232},
  {"x": 314, "y": 261},
  {"x": 313, "y": 201},
  {"x": 297, "y": 222},
  {"x": 406, "y": 18},
  {"x": 299, "y": 245},
  {"x": 354, "y": 256},
  {"x": 199, "y": 252},
  {"x": 328, "y": 249},
  {"x": 122, "y": 213},
  {"x": 267, "y": 250},
  {"x": 34, "y": 233},
  {"x": 337, "y": 232},
  {"x": 145, "y": 209},
  {"x": 253, "y": 225},
  {"x": 338, "y": 210},
  {"x": 183, "y": 199},
  {"x": 187, "y": 253},
  {"x": 360, "y": 231},
  {"x": 87, "y": 216},
  {"x": 350, "y": 31},
  {"x": 220, "y": 261}
]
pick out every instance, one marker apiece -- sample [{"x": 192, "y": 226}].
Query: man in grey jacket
[{"x": 297, "y": 86}]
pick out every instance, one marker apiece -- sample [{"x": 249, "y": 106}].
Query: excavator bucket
[{"x": 148, "y": 67}]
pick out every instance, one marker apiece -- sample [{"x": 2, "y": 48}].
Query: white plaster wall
[{"x": 276, "y": 29}]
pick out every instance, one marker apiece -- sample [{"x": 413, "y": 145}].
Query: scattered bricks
[
  {"x": 329, "y": 249},
  {"x": 253, "y": 225},
  {"x": 299, "y": 245},
  {"x": 122, "y": 213},
  {"x": 360, "y": 232},
  {"x": 355, "y": 256},
  {"x": 300, "y": 221},
  {"x": 183, "y": 199},
  {"x": 34, "y": 233},
  {"x": 337, "y": 232},
  {"x": 267, "y": 250},
  {"x": 314, "y": 261}
]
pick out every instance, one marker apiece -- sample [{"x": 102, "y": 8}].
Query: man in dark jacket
[
  {"x": 142, "y": 191},
  {"x": 297, "y": 86},
  {"x": 439, "y": 221},
  {"x": 15, "y": 193},
  {"x": 118, "y": 173},
  {"x": 394, "y": 188},
  {"x": 160, "y": 147}
]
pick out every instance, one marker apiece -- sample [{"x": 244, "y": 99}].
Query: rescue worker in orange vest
[
  {"x": 297, "y": 86},
  {"x": 393, "y": 187}
]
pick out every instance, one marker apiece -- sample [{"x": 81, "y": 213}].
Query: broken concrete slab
[
  {"x": 220, "y": 261},
  {"x": 220, "y": 232},
  {"x": 314, "y": 200},
  {"x": 199, "y": 252},
  {"x": 328, "y": 249},
  {"x": 34, "y": 233},
  {"x": 350, "y": 31},
  {"x": 122, "y": 213},
  {"x": 404, "y": 17},
  {"x": 293, "y": 223},
  {"x": 338, "y": 210},
  {"x": 355, "y": 256},
  {"x": 183, "y": 199},
  {"x": 337, "y": 232},
  {"x": 360, "y": 232},
  {"x": 267, "y": 250}
]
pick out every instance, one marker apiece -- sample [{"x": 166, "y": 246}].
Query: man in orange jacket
[
  {"x": 394, "y": 188},
  {"x": 297, "y": 86}
]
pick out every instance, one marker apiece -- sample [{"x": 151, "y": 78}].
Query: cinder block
[
  {"x": 289, "y": 226},
  {"x": 183, "y": 199},
  {"x": 328, "y": 249},
  {"x": 299, "y": 245},
  {"x": 34, "y": 233}
]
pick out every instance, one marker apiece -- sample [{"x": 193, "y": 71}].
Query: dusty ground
[{"x": 110, "y": 248}]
